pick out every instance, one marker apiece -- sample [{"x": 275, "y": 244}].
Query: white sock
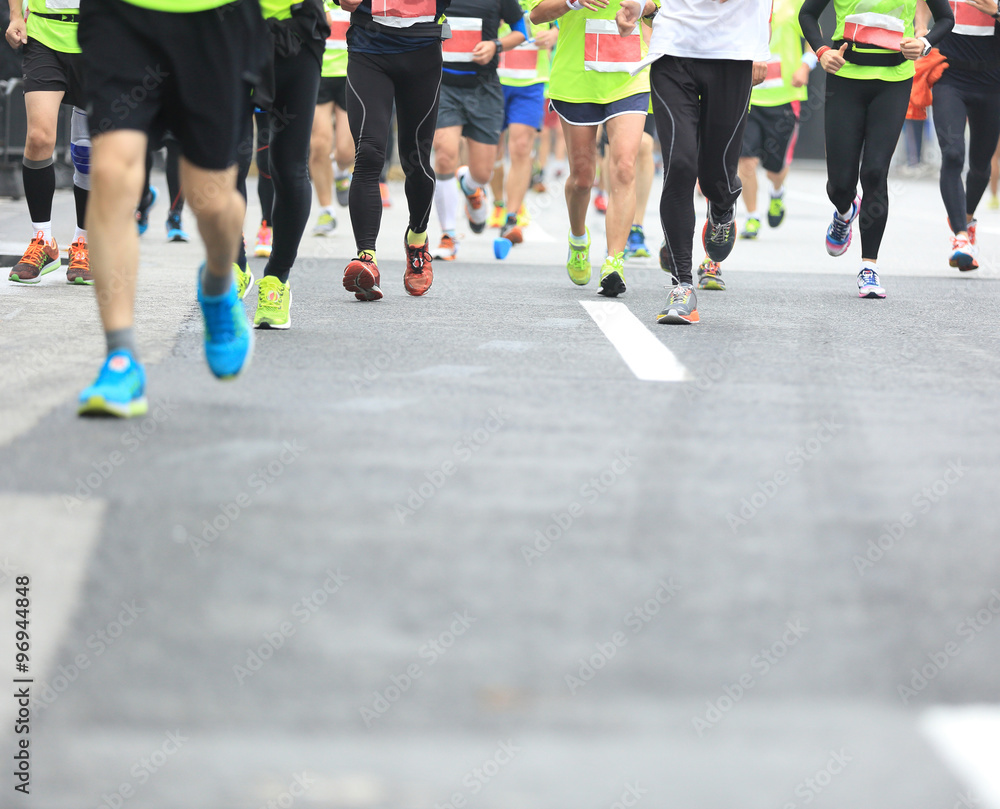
[
  {"x": 328, "y": 209},
  {"x": 468, "y": 185},
  {"x": 777, "y": 194},
  {"x": 44, "y": 227},
  {"x": 446, "y": 202},
  {"x": 340, "y": 175},
  {"x": 81, "y": 233},
  {"x": 577, "y": 241},
  {"x": 869, "y": 265}
]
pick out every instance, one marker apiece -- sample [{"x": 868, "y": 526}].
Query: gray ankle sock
[
  {"x": 213, "y": 285},
  {"x": 122, "y": 338}
]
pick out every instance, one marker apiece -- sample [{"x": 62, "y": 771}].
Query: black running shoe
[{"x": 719, "y": 237}]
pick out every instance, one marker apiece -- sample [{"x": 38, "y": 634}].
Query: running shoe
[
  {"x": 710, "y": 275},
  {"x": 613, "y": 276},
  {"x": 537, "y": 178},
  {"x": 39, "y": 259},
  {"x": 523, "y": 217},
  {"x": 383, "y": 190},
  {"x": 578, "y": 262},
  {"x": 419, "y": 274},
  {"x": 601, "y": 202},
  {"x": 636, "y": 246},
  {"x": 447, "y": 248},
  {"x": 994, "y": 203},
  {"x": 475, "y": 207},
  {"x": 244, "y": 280},
  {"x": 342, "y": 185},
  {"x": 838, "y": 235},
  {"x": 274, "y": 301},
  {"x": 325, "y": 225},
  {"x": 262, "y": 248},
  {"x": 751, "y": 228},
  {"x": 78, "y": 271},
  {"x": 512, "y": 231},
  {"x": 361, "y": 277},
  {"x": 119, "y": 390},
  {"x": 868, "y": 284},
  {"x": 665, "y": 258},
  {"x": 228, "y": 339},
  {"x": 142, "y": 214},
  {"x": 963, "y": 254},
  {"x": 498, "y": 216},
  {"x": 776, "y": 211},
  {"x": 971, "y": 230},
  {"x": 682, "y": 307},
  {"x": 719, "y": 237},
  {"x": 175, "y": 231}
]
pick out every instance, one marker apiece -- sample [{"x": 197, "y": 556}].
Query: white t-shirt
[{"x": 709, "y": 29}]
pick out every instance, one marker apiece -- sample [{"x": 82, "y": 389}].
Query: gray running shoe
[
  {"x": 681, "y": 308},
  {"x": 325, "y": 225},
  {"x": 343, "y": 187}
]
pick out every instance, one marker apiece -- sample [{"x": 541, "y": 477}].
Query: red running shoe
[
  {"x": 361, "y": 277},
  {"x": 419, "y": 274}
]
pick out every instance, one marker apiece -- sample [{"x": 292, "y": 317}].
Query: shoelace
[
  {"x": 869, "y": 278},
  {"x": 33, "y": 255},
  {"x": 840, "y": 228},
  {"x": 679, "y": 294},
  {"x": 78, "y": 258},
  {"x": 418, "y": 257},
  {"x": 720, "y": 231}
]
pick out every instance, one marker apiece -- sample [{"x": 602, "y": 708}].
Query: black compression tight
[
  {"x": 863, "y": 120},
  {"x": 265, "y": 187},
  {"x": 413, "y": 80},
  {"x": 952, "y": 107}
]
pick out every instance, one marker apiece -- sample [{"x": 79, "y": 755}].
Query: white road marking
[
  {"x": 648, "y": 358},
  {"x": 43, "y": 540},
  {"x": 968, "y": 739}
]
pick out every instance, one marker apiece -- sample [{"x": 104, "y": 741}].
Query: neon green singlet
[{"x": 59, "y": 35}]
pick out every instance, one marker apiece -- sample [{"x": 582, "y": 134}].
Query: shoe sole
[
  {"x": 712, "y": 285},
  {"x": 612, "y": 285},
  {"x": 362, "y": 291},
  {"x": 99, "y": 406},
  {"x": 80, "y": 281},
  {"x": 416, "y": 292},
  {"x": 249, "y": 287},
  {"x": 178, "y": 237},
  {"x": 260, "y": 253},
  {"x": 747, "y": 237},
  {"x": 672, "y": 318},
  {"x": 323, "y": 233},
  {"x": 873, "y": 295},
  {"x": 968, "y": 265},
  {"x": 775, "y": 222},
  {"x": 52, "y": 266},
  {"x": 838, "y": 250},
  {"x": 477, "y": 227}
]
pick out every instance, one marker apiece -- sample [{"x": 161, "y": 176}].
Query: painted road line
[
  {"x": 968, "y": 739},
  {"x": 648, "y": 358}
]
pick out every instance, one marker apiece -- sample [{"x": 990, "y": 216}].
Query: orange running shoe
[
  {"x": 383, "y": 189},
  {"x": 361, "y": 277},
  {"x": 39, "y": 259},
  {"x": 512, "y": 232},
  {"x": 78, "y": 271},
  {"x": 601, "y": 202},
  {"x": 447, "y": 249},
  {"x": 419, "y": 274}
]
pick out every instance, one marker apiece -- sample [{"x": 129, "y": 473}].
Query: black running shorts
[
  {"x": 191, "y": 73},
  {"x": 46, "y": 69},
  {"x": 768, "y": 133},
  {"x": 333, "y": 88}
]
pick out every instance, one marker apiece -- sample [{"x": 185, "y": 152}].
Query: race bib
[
  {"x": 773, "y": 78},
  {"x": 520, "y": 63},
  {"x": 605, "y": 51},
  {"x": 874, "y": 29},
  {"x": 403, "y": 13},
  {"x": 339, "y": 22},
  {"x": 970, "y": 21},
  {"x": 466, "y": 33},
  {"x": 62, "y": 5}
]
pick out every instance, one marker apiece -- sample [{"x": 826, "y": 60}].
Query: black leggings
[
  {"x": 296, "y": 83},
  {"x": 265, "y": 187},
  {"x": 700, "y": 107},
  {"x": 413, "y": 79},
  {"x": 863, "y": 116},
  {"x": 952, "y": 107}
]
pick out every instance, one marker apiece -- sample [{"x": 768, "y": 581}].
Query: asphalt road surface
[{"x": 463, "y": 552}]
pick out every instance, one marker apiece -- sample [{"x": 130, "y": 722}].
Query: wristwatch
[
  {"x": 499, "y": 45},
  {"x": 927, "y": 46}
]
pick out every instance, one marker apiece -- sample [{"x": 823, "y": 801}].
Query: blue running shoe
[
  {"x": 838, "y": 235},
  {"x": 142, "y": 212},
  {"x": 175, "y": 230},
  {"x": 636, "y": 245},
  {"x": 120, "y": 389},
  {"x": 228, "y": 337}
]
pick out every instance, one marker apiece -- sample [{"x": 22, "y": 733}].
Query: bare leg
[
  {"x": 581, "y": 149},
  {"x": 748, "y": 176},
  {"x": 644, "y": 171},
  {"x": 320, "y": 150},
  {"x": 624, "y": 136}
]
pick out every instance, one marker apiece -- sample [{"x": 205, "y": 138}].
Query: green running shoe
[
  {"x": 751, "y": 228},
  {"x": 244, "y": 280},
  {"x": 325, "y": 225},
  {"x": 613, "y": 276},
  {"x": 274, "y": 299},
  {"x": 710, "y": 275},
  {"x": 578, "y": 262},
  {"x": 776, "y": 211}
]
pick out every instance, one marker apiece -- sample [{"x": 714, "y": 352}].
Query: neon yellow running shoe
[
  {"x": 523, "y": 217},
  {"x": 613, "y": 276},
  {"x": 578, "y": 262},
  {"x": 244, "y": 280},
  {"x": 274, "y": 299},
  {"x": 497, "y": 216}
]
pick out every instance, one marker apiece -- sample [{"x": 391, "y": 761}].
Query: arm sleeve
[
  {"x": 809, "y": 22},
  {"x": 520, "y": 27},
  {"x": 944, "y": 20}
]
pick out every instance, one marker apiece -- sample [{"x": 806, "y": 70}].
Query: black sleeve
[
  {"x": 944, "y": 20},
  {"x": 510, "y": 11},
  {"x": 809, "y": 23}
]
